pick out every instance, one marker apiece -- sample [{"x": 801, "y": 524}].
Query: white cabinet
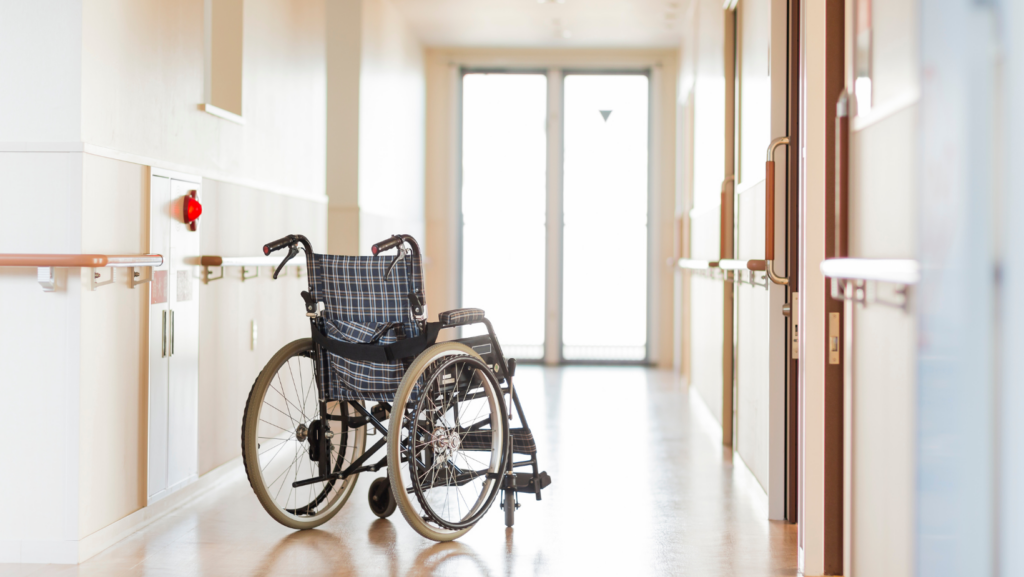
[{"x": 173, "y": 338}]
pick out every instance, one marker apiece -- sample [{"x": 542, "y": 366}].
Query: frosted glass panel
[
  {"x": 604, "y": 300},
  {"x": 503, "y": 206}
]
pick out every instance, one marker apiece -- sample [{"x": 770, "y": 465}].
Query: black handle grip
[
  {"x": 386, "y": 245},
  {"x": 278, "y": 244}
]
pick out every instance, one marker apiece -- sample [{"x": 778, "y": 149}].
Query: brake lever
[
  {"x": 292, "y": 251},
  {"x": 398, "y": 257}
]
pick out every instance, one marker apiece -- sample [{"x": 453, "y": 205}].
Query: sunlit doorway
[{"x": 554, "y": 208}]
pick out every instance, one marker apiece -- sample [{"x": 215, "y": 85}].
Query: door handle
[
  {"x": 172, "y": 335},
  {"x": 163, "y": 334},
  {"x": 769, "y": 211}
]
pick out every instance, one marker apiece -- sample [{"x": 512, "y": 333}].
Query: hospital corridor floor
[{"x": 641, "y": 486}]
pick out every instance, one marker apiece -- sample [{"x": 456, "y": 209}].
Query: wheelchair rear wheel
[
  {"x": 281, "y": 428},
  {"x": 447, "y": 441}
]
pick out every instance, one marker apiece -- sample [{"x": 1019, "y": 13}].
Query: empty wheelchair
[{"x": 443, "y": 411}]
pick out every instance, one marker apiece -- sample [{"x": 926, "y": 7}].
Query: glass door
[
  {"x": 604, "y": 259},
  {"x": 595, "y": 127},
  {"x": 504, "y": 165}
]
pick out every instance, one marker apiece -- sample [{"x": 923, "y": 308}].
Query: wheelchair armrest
[{"x": 457, "y": 317}]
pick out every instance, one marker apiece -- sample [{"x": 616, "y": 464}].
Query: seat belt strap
[{"x": 380, "y": 354}]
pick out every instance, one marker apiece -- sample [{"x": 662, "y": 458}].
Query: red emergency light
[{"x": 191, "y": 210}]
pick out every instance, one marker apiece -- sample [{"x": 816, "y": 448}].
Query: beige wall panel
[
  {"x": 750, "y": 222},
  {"x": 706, "y": 342},
  {"x": 709, "y": 99},
  {"x": 114, "y": 367},
  {"x": 706, "y": 314},
  {"x": 882, "y": 225},
  {"x": 752, "y": 381},
  {"x": 143, "y": 82},
  {"x": 392, "y": 113},
  {"x": 240, "y": 221},
  {"x": 894, "y": 58},
  {"x": 754, "y": 91},
  {"x": 883, "y": 204},
  {"x": 883, "y": 445},
  {"x": 705, "y": 227},
  {"x": 752, "y": 343}
]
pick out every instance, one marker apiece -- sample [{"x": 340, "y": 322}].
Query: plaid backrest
[{"x": 362, "y": 306}]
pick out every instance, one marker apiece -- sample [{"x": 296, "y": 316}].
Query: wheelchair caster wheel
[
  {"x": 510, "y": 507},
  {"x": 382, "y": 502}
]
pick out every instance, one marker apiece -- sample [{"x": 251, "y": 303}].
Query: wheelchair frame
[{"x": 487, "y": 346}]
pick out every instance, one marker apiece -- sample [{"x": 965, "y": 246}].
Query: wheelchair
[{"x": 373, "y": 366}]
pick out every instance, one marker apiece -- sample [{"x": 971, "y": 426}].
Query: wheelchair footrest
[{"x": 527, "y": 483}]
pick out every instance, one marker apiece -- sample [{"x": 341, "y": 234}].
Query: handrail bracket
[
  {"x": 95, "y": 275},
  {"x": 136, "y": 274}
]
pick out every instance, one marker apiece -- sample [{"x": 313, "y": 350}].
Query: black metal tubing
[
  {"x": 515, "y": 402},
  {"x": 369, "y": 416}
]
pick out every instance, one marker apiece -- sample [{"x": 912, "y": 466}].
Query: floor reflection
[{"x": 641, "y": 486}]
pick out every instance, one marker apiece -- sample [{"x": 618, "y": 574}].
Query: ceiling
[{"x": 545, "y": 23}]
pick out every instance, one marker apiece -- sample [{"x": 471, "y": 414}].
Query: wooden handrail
[
  {"x": 80, "y": 260},
  {"x": 245, "y": 261},
  {"x": 45, "y": 263},
  {"x": 757, "y": 265}
]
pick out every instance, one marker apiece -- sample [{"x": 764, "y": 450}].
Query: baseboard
[{"x": 118, "y": 530}]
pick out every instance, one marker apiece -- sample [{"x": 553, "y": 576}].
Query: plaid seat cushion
[{"x": 364, "y": 306}]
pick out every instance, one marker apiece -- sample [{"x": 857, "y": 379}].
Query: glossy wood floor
[{"x": 641, "y": 486}]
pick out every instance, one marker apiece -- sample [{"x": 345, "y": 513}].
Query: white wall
[
  {"x": 377, "y": 120},
  {"x": 882, "y": 223},
  {"x": 392, "y": 127},
  {"x": 41, "y": 67},
  {"x": 40, "y": 63},
  {"x": 143, "y": 82},
  {"x": 104, "y": 91},
  {"x": 39, "y": 359},
  {"x": 704, "y": 30}
]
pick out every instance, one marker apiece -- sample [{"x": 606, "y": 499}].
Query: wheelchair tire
[
  {"x": 382, "y": 502},
  {"x": 510, "y": 507},
  {"x": 282, "y": 417},
  {"x": 452, "y": 493}
]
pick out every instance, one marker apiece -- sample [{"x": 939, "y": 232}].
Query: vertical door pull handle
[
  {"x": 769, "y": 211},
  {"x": 172, "y": 334},
  {"x": 163, "y": 334}
]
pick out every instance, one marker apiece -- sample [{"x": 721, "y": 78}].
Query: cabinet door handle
[
  {"x": 163, "y": 334},
  {"x": 172, "y": 334}
]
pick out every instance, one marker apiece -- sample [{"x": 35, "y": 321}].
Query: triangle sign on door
[{"x": 605, "y": 114}]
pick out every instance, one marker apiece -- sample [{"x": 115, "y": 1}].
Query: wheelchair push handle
[
  {"x": 278, "y": 244},
  {"x": 385, "y": 245}
]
